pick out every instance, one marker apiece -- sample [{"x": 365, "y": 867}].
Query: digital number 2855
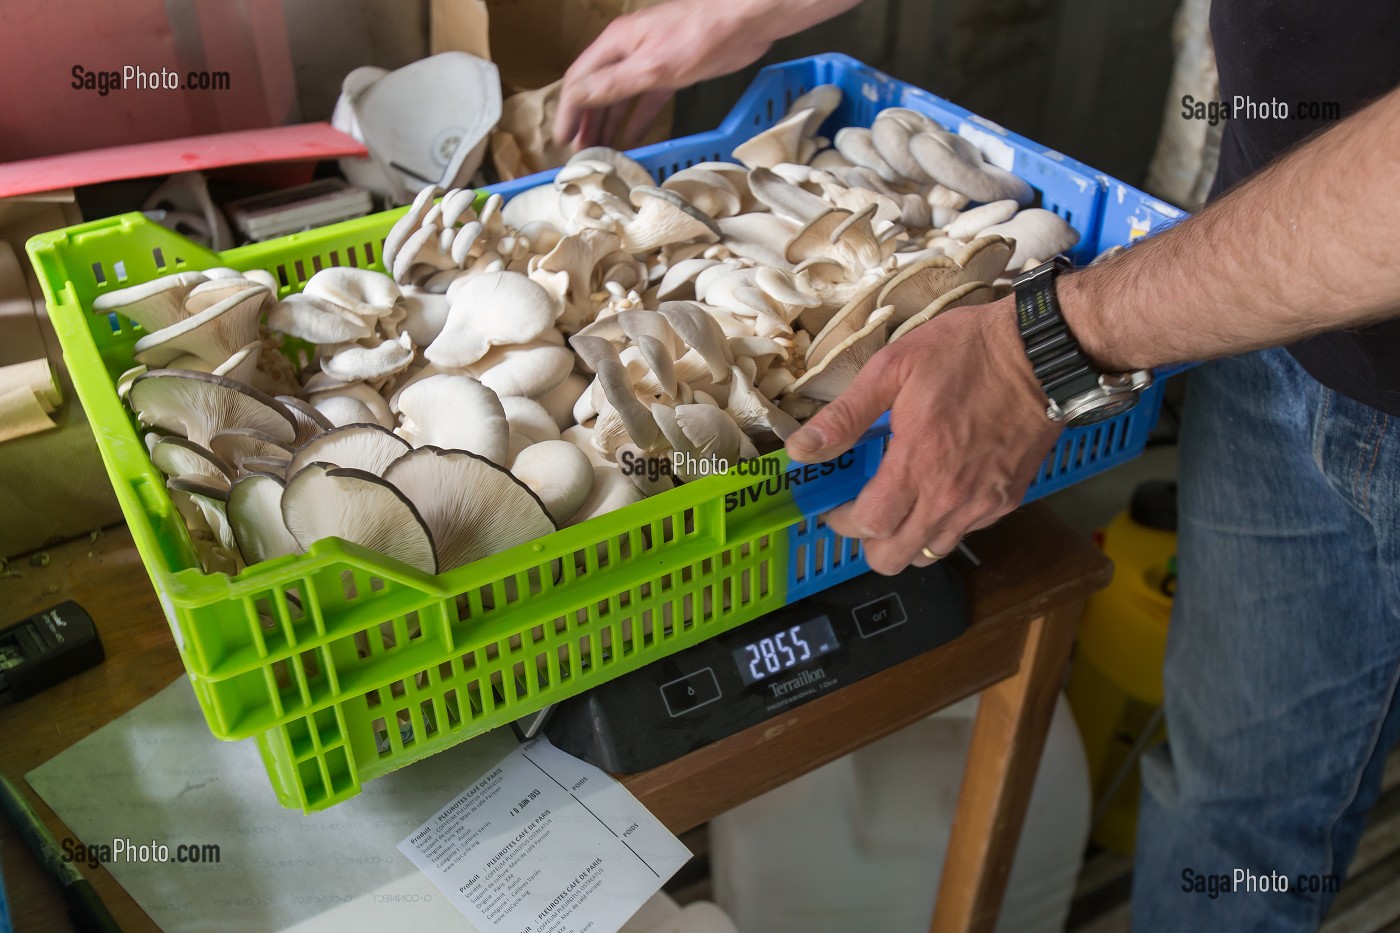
[{"x": 775, "y": 654}]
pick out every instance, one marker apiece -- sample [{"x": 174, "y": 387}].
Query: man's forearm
[{"x": 1310, "y": 244}]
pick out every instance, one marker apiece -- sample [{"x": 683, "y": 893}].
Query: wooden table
[{"x": 1026, "y": 602}]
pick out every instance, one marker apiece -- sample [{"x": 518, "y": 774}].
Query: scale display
[
  {"x": 785, "y": 649},
  {"x": 759, "y": 670}
]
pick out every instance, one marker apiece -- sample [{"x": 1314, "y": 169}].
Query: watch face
[{"x": 1102, "y": 410}]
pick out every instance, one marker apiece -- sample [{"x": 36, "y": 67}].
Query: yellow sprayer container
[{"x": 1115, "y": 684}]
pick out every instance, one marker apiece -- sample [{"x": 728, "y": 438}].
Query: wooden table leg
[{"x": 1007, "y": 739}]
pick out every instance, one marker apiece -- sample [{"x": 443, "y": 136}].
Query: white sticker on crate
[
  {"x": 994, "y": 149},
  {"x": 545, "y": 843}
]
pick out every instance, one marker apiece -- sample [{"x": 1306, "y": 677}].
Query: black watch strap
[{"x": 1060, "y": 365}]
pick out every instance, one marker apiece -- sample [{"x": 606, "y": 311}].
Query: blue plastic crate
[{"x": 1105, "y": 211}]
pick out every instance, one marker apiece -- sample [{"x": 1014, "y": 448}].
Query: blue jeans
[{"x": 1283, "y": 654}]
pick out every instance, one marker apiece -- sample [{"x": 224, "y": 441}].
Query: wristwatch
[{"x": 1077, "y": 392}]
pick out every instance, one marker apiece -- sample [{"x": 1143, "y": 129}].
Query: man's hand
[
  {"x": 969, "y": 431},
  {"x": 619, "y": 84}
]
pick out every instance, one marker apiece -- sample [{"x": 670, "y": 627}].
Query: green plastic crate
[
  {"x": 346, "y": 665},
  {"x": 451, "y": 655}
]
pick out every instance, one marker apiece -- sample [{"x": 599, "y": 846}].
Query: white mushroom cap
[
  {"x": 424, "y": 314},
  {"x": 213, "y": 335},
  {"x": 985, "y": 258},
  {"x": 529, "y": 418},
  {"x": 820, "y": 102},
  {"x": 355, "y": 363},
  {"x": 154, "y": 304},
  {"x": 611, "y": 491},
  {"x": 1037, "y": 233},
  {"x": 664, "y": 217},
  {"x": 857, "y": 146},
  {"x": 755, "y": 414},
  {"x": 473, "y": 507},
  {"x": 454, "y": 413},
  {"x": 309, "y": 320},
  {"x": 178, "y": 457},
  {"x": 255, "y": 518},
  {"x": 910, "y": 291},
  {"x": 582, "y": 438},
  {"x": 971, "y": 222},
  {"x": 954, "y": 162},
  {"x": 559, "y": 473},
  {"x": 198, "y": 405},
  {"x": 530, "y": 370},
  {"x": 235, "y": 446},
  {"x": 332, "y": 502},
  {"x": 969, "y": 293},
  {"x": 560, "y": 400},
  {"x": 331, "y": 405},
  {"x": 493, "y": 309},
  {"x": 367, "y": 447},
  {"x": 362, "y": 292},
  {"x": 779, "y": 143},
  {"x": 407, "y": 225},
  {"x": 834, "y": 373},
  {"x": 310, "y": 422},
  {"x": 629, "y": 170}
]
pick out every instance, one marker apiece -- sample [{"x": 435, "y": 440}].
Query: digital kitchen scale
[{"x": 761, "y": 669}]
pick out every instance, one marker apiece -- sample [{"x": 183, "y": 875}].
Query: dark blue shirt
[{"x": 1310, "y": 56}]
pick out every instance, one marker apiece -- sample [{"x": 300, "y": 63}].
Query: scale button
[
  {"x": 879, "y": 615},
  {"x": 690, "y": 692}
]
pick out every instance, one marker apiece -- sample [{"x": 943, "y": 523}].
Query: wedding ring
[{"x": 932, "y": 556}]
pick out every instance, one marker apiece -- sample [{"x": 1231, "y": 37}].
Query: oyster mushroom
[
  {"x": 663, "y": 217},
  {"x": 819, "y": 103},
  {"x": 957, "y": 164},
  {"x": 529, "y": 419},
  {"x": 236, "y": 446},
  {"x": 323, "y": 501},
  {"x": 198, "y": 405},
  {"x": 984, "y": 259},
  {"x": 177, "y": 457},
  {"x": 1037, "y": 233},
  {"x": 530, "y": 370},
  {"x": 492, "y": 310},
  {"x": 629, "y": 170},
  {"x": 310, "y": 422},
  {"x": 153, "y": 305},
  {"x": 755, "y": 415},
  {"x": 911, "y": 290},
  {"x": 255, "y": 517},
  {"x": 779, "y": 143},
  {"x": 213, "y": 335},
  {"x": 890, "y": 134},
  {"x": 560, "y": 400},
  {"x": 307, "y": 319},
  {"x": 337, "y": 403},
  {"x": 834, "y": 372},
  {"x": 969, "y": 293},
  {"x": 361, "y": 292},
  {"x": 611, "y": 491},
  {"x": 370, "y": 364},
  {"x": 472, "y": 507},
  {"x": 558, "y": 473},
  {"x": 367, "y": 447},
  {"x": 454, "y": 413},
  {"x": 970, "y": 223},
  {"x": 857, "y": 146}
]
